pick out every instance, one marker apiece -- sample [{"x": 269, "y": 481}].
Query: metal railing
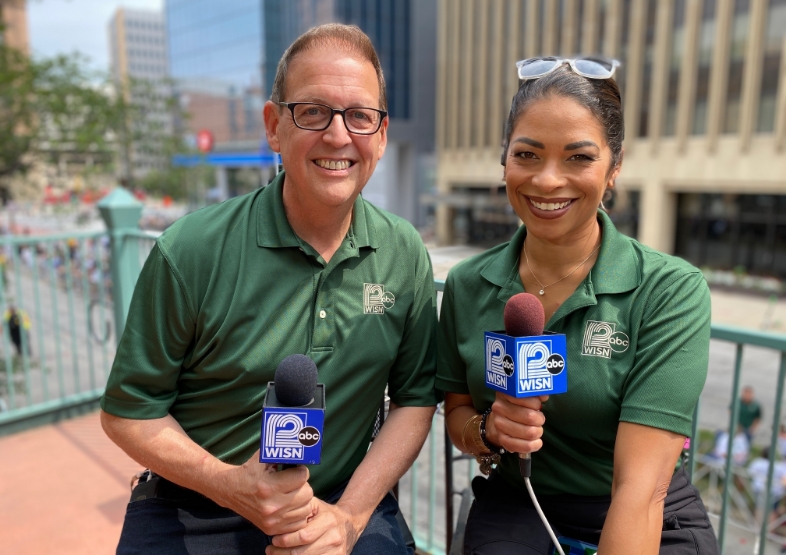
[
  {"x": 66, "y": 292},
  {"x": 58, "y": 323},
  {"x": 731, "y": 490}
]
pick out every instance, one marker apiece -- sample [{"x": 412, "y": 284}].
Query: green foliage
[
  {"x": 170, "y": 181},
  {"x": 50, "y": 105},
  {"x": 57, "y": 106}
]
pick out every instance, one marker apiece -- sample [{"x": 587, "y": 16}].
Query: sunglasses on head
[{"x": 591, "y": 67}]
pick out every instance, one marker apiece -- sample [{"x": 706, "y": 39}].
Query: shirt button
[{"x": 322, "y": 314}]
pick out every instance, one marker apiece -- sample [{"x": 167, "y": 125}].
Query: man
[
  {"x": 302, "y": 266},
  {"x": 750, "y": 412}
]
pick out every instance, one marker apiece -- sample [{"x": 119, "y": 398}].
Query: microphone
[
  {"x": 525, "y": 361},
  {"x": 293, "y": 414},
  {"x": 524, "y": 316}
]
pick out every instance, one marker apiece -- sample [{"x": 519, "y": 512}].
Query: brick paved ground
[{"x": 63, "y": 489}]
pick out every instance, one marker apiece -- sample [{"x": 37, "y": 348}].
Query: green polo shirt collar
[
  {"x": 274, "y": 230},
  {"x": 615, "y": 271}
]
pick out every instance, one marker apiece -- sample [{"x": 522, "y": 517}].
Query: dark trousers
[
  {"x": 171, "y": 520},
  {"x": 502, "y": 522}
]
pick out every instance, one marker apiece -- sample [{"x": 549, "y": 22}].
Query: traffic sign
[{"x": 204, "y": 140}]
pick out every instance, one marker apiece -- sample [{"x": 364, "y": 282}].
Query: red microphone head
[{"x": 524, "y": 316}]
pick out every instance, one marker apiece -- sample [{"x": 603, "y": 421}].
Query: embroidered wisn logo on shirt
[
  {"x": 602, "y": 338},
  {"x": 376, "y": 300}
]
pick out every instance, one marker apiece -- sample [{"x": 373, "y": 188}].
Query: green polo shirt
[
  {"x": 749, "y": 413},
  {"x": 229, "y": 291},
  {"x": 658, "y": 303}
]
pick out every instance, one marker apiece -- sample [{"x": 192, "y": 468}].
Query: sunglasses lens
[
  {"x": 535, "y": 68},
  {"x": 595, "y": 68}
]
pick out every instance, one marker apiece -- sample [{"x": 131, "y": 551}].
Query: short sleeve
[
  {"x": 411, "y": 381},
  {"x": 672, "y": 355},
  {"x": 143, "y": 383},
  {"x": 451, "y": 369}
]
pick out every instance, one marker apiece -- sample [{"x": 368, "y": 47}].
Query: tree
[
  {"x": 50, "y": 106},
  {"x": 51, "y": 109},
  {"x": 148, "y": 125}
]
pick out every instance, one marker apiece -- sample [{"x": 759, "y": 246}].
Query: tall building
[
  {"x": 404, "y": 35},
  {"x": 704, "y": 90},
  {"x": 215, "y": 53},
  {"x": 137, "y": 45},
  {"x": 13, "y": 17},
  {"x": 138, "y": 54}
]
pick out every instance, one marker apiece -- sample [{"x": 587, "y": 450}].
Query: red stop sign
[{"x": 204, "y": 140}]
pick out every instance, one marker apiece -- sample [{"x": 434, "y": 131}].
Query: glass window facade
[
  {"x": 706, "y": 44},
  {"x": 625, "y": 212},
  {"x": 675, "y": 65},
  {"x": 215, "y": 51},
  {"x": 388, "y": 25},
  {"x": 649, "y": 54},
  {"x": 773, "y": 43},
  {"x": 739, "y": 39},
  {"x": 734, "y": 232}
]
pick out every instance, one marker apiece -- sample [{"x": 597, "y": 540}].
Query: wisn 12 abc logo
[
  {"x": 291, "y": 436},
  {"x": 526, "y": 366}
]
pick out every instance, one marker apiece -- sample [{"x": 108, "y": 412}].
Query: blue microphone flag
[
  {"x": 526, "y": 366},
  {"x": 292, "y": 435}
]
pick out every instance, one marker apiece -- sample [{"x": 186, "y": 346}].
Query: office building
[
  {"x": 704, "y": 90},
  {"x": 137, "y": 45},
  {"x": 215, "y": 55},
  {"x": 138, "y": 65},
  {"x": 13, "y": 17}
]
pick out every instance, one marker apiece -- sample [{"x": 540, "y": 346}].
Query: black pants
[
  {"x": 166, "y": 519},
  {"x": 505, "y": 523}
]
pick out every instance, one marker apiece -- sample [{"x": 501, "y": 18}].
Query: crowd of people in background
[
  {"x": 755, "y": 462},
  {"x": 79, "y": 266}
]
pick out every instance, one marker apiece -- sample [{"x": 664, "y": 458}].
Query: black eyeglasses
[
  {"x": 591, "y": 67},
  {"x": 317, "y": 117}
]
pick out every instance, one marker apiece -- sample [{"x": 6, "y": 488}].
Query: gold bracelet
[
  {"x": 464, "y": 434},
  {"x": 486, "y": 459}
]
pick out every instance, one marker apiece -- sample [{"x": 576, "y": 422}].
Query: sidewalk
[{"x": 63, "y": 490}]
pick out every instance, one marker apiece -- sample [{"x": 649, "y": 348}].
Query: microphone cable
[{"x": 525, "y": 466}]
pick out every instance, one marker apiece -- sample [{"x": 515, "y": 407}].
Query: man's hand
[
  {"x": 332, "y": 531},
  {"x": 516, "y": 424},
  {"x": 275, "y": 502}
]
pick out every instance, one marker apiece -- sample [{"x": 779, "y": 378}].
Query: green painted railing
[
  {"x": 73, "y": 291},
  {"x": 58, "y": 323}
]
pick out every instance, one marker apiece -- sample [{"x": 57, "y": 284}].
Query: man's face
[{"x": 327, "y": 168}]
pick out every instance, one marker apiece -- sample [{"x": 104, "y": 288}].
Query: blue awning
[{"x": 227, "y": 159}]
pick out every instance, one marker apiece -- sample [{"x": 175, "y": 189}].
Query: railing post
[{"x": 121, "y": 212}]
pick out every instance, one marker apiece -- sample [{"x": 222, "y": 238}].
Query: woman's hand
[{"x": 516, "y": 424}]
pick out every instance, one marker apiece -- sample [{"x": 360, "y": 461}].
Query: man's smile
[{"x": 333, "y": 164}]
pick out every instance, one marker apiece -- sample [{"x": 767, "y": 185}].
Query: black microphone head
[
  {"x": 524, "y": 316},
  {"x": 296, "y": 381}
]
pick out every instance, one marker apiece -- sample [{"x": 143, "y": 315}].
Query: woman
[{"x": 637, "y": 324}]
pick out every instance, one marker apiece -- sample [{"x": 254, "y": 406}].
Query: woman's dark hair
[{"x": 599, "y": 96}]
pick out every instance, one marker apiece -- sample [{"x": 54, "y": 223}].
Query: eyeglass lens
[
  {"x": 594, "y": 67},
  {"x": 317, "y": 117},
  {"x": 599, "y": 69},
  {"x": 537, "y": 67}
]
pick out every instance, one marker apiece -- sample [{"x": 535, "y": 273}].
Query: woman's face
[{"x": 557, "y": 168}]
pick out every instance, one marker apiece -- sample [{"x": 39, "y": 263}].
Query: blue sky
[{"x": 63, "y": 26}]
